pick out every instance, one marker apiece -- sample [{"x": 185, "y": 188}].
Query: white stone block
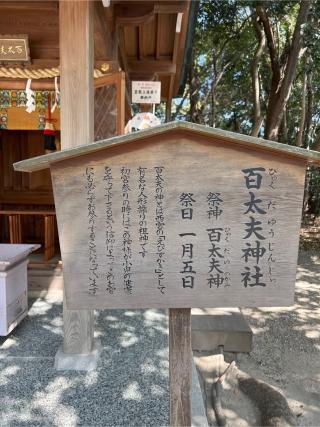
[
  {"x": 13, "y": 297},
  {"x": 13, "y": 285}
]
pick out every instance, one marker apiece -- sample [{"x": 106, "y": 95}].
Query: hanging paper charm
[
  {"x": 56, "y": 95},
  {"x": 31, "y": 103}
]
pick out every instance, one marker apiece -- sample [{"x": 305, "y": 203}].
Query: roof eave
[{"x": 43, "y": 162}]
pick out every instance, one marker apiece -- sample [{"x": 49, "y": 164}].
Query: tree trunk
[
  {"x": 257, "y": 117},
  {"x": 309, "y": 112},
  {"x": 179, "y": 107},
  {"x": 283, "y": 132},
  {"x": 281, "y": 85},
  {"x": 192, "y": 88},
  {"x": 213, "y": 94},
  {"x": 299, "y": 138}
]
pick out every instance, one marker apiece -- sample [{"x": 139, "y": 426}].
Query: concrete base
[
  {"x": 212, "y": 327},
  {"x": 198, "y": 411},
  {"x": 77, "y": 362}
]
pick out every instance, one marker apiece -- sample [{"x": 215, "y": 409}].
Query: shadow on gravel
[
  {"x": 286, "y": 346},
  {"x": 129, "y": 387}
]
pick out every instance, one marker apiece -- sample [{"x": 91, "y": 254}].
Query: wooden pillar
[
  {"x": 180, "y": 366},
  {"x": 77, "y": 102},
  {"x": 49, "y": 221},
  {"x": 168, "y": 110},
  {"x": 15, "y": 228},
  {"x": 121, "y": 91}
]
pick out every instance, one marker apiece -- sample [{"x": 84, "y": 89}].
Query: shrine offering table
[
  {"x": 13, "y": 285},
  {"x": 15, "y": 228}
]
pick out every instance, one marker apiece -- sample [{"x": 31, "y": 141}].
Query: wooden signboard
[
  {"x": 178, "y": 216},
  {"x": 14, "y": 49}
]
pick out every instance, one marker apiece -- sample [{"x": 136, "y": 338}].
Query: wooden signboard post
[{"x": 178, "y": 216}]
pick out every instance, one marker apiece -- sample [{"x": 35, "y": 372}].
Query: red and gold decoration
[{"x": 49, "y": 132}]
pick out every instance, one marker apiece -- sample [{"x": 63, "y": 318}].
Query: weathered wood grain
[
  {"x": 76, "y": 61},
  {"x": 195, "y": 165},
  {"x": 180, "y": 367},
  {"x": 15, "y": 229},
  {"x": 78, "y": 330}
]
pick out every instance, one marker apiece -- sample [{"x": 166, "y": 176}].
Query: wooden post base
[
  {"x": 180, "y": 366},
  {"x": 78, "y": 328}
]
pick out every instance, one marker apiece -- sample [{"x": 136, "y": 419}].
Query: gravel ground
[
  {"x": 285, "y": 354},
  {"x": 129, "y": 387},
  {"x": 286, "y": 346}
]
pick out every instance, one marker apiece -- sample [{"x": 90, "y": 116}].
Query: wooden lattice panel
[{"x": 105, "y": 112}]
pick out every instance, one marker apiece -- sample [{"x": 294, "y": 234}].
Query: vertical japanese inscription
[
  {"x": 254, "y": 249},
  {"x": 109, "y": 232},
  {"x": 132, "y": 241},
  {"x": 216, "y": 273},
  {"x": 227, "y": 261},
  {"x": 92, "y": 228},
  {"x": 142, "y": 211},
  {"x": 126, "y": 236},
  {"x": 214, "y": 205},
  {"x": 160, "y": 225},
  {"x": 272, "y": 224},
  {"x": 219, "y": 238},
  {"x": 188, "y": 272}
]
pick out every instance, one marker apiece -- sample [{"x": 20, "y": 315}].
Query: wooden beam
[
  {"x": 77, "y": 128},
  {"x": 176, "y": 43},
  {"x": 106, "y": 80},
  {"x": 42, "y": 63},
  {"x": 169, "y": 102},
  {"x": 134, "y": 14},
  {"x": 106, "y": 35},
  {"x": 181, "y": 46},
  {"x": 124, "y": 62},
  {"x": 143, "y": 76},
  {"x": 123, "y": 56},
  {"x": 180, "y": 366},
  {"x": 151, "y": 66},
  {"x": 42, "y": 6},
  {"x": 157, "y": 38},
  {"x": 121, "y": 88},
  {"x": 141, "y": 52},
  {"x": 37, "y": 63},
  {"x": 172, "y": 77},
  {"x": 48, "y": 84},
  {"x": 39, "y": 51},
  {"x": 179, "y": 7},
  {"x": 20, "y": 84}
]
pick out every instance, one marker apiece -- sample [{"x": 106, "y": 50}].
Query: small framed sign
[
  {"x": 14, "y": 49},
  {"x": 146, "y": 92}
]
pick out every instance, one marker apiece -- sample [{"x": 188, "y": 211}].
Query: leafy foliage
[
  {"x": 232, "y": 86},
  {"x": 220, "y": 88}
]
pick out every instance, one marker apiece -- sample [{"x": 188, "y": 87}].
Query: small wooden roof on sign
[{"x": 234, "y": 139}]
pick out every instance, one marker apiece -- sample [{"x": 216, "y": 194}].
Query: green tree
[{"x": 254, "y": 69}]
